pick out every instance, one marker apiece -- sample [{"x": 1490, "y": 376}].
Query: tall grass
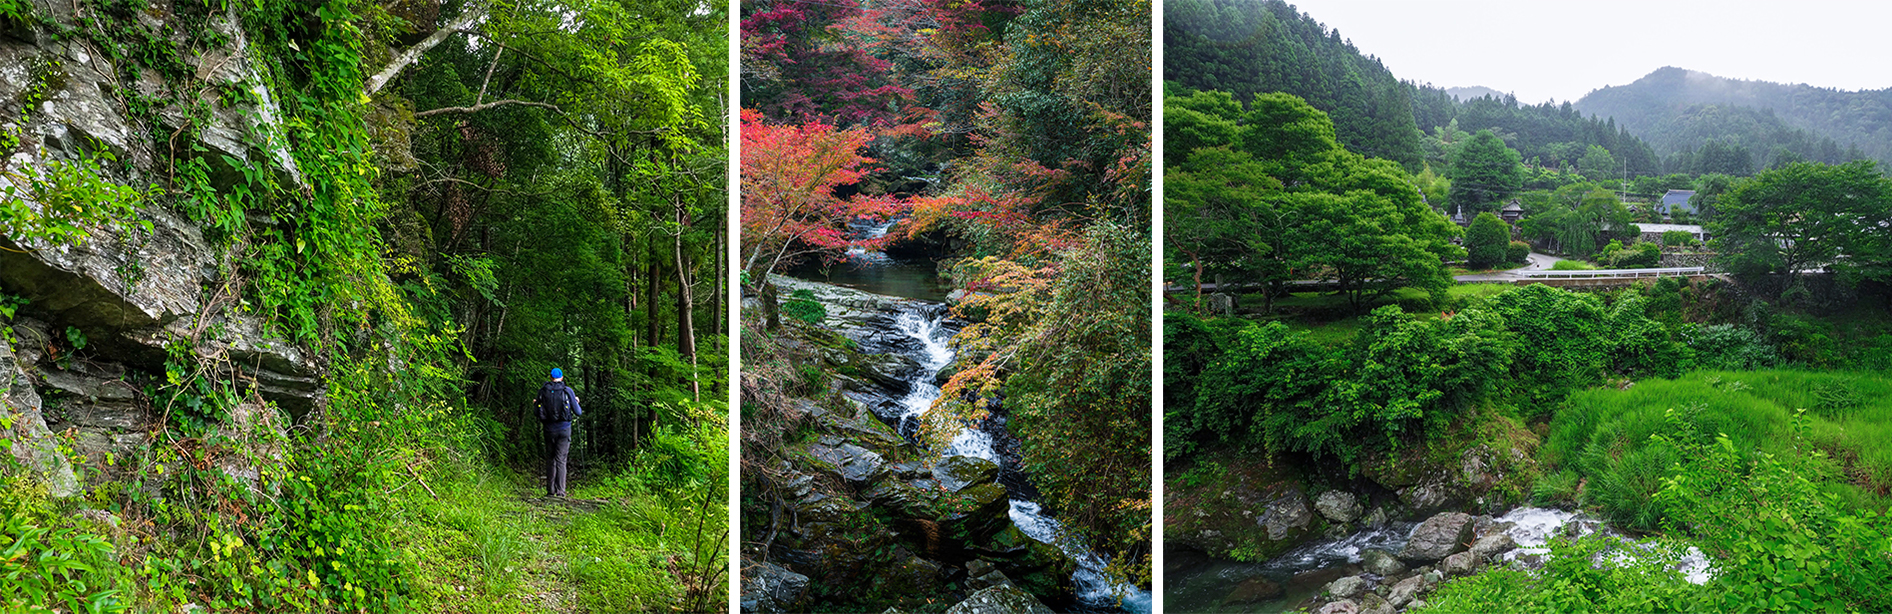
[{"x": 1604, "y": 435}]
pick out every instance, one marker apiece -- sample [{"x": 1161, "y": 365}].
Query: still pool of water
[{"x": 882, "y": 275}]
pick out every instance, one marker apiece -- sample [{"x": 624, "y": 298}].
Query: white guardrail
[{"x": 1612, "y": 273}]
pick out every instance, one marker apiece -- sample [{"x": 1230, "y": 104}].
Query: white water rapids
[{"x": 1093, "y": 587}]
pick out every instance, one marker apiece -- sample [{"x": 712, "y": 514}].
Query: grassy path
[{"x": 485, "y": 540}]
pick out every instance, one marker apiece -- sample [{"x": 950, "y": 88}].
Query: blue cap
[{"x": 557, "y": 373}]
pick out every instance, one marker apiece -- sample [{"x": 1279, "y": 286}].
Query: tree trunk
[{"x": 686, "y": 327}]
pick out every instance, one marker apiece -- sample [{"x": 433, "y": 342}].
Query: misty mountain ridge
[
  {"x": 1677, "y": 110},
  {"x": 1476, "y": 91}
]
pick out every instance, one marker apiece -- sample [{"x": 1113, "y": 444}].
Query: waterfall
[{"x": 925, "y": 325}]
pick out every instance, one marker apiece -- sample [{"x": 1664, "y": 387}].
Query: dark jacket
[{"x": 539, "y": 409}]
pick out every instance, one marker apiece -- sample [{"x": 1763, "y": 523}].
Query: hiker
[{"x": 556, "y": 406}]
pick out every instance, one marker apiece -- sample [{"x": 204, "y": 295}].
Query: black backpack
[{"x": 555, "y": 404}]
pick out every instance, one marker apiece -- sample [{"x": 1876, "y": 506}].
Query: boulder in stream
[
  {"x": 1381, "y": 563},
  {"x": 957, "y": 472},
  {"x": 1344, "y": 606},
  {"x": 1338, "y": 506},
  {"x": 1460, "y": 564},
  {"x": 1438, "y": 537},
  {"x": 1347, "y": 587},
  {"x": 1404, "y": 591}
]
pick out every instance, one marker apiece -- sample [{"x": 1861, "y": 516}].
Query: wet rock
[
  {"x": 1338, "y": 506},
  {"x": 1438, "y": 537},
  {"x": 999, "y": 600},
  {"x": 1347, "y": 587},
  {"x": 851, "y": 462},
  {"x": 1253, "y": 590},
  {"x": 903, "y": 497},
  {"x": 1285, "y": 514},
  {"x": 1381, "y": 563},
  {"x": 981, "y": 573},
  {"x": 1404, "y": 590},
  {"x": 1375, "y": 519},
  {"x": 768, "y": 588},
  {"x": 1039, "y": 568},
  {"x": 1375, "y": 604},
  {"x": 911, "y": 576},
  {"x": 1492, "y": 545},
  {"x": 957, "y": 472},
  {"x": 1344, "y": 606},
  {"x": 976, "y": 512},
  {"x": 30, "y": 442},
  {"x": 1460, "y": 564},
  {"x": 1426, "y": 496}
]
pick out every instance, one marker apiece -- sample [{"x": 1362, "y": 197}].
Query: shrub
[
  {"x": 1485, "y": 241},
  {"x": 1678, "y": 238},
  {"x": 1572, "y": 265},
  {"x": 1641, "y": 255},
  {"x": 1517, "y": 251},
  {"x": 802, "y": 306}
]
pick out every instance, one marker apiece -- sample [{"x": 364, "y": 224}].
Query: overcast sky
[{"x": 1563, "y": 50}]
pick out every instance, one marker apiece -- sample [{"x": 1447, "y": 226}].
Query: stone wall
[{"x": 1687, "y": 259}]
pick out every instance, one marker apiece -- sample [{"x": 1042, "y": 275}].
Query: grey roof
[{"x": 1512, "y": 207}]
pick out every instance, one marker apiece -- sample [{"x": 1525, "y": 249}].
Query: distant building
[
  {"x": 1512, "y": 212},
  {"x": 1676, "y": 200}
]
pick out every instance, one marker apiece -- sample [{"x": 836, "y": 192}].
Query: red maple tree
[{"x": 789, "y": 206}]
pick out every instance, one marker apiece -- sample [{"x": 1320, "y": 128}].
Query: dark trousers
[{"x": 557, "y": 445}]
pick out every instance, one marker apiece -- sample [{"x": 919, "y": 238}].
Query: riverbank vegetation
[{"x": 433, "y": 203}]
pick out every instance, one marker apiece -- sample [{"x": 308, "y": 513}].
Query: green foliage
[
  {"x": 801, "y": 305},
  {"x": 66, "y": 202},
  {"x": 1780, "y": 540},
  {"x": 1252, "y": 48},
  {"x": 1080, "y": 395},
  {"x": 1517, "y": 252},
  {"x": 1590, "y": 574},
  {"x": 1486, "y": 241},
  {"x": 1484, "y": 173},
  {"x": 1641, "y": 256},
  {"x": 1401, "y": 377},
  {"x": 1269, "y": 196},
  {"x": 1679, "y": 238},
  {"x": 50, "y": 565},
  {"x": 1572, "y": 265},
  {"x": 1727, "y": 347},
  {"x": 1790, "y": 219},
  {"x": 1606, "y": 435}
]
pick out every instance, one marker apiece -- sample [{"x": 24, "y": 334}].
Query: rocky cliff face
[{"x": 104, "y": 315}]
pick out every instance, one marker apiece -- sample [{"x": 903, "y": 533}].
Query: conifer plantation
[
  {"x": 944, "y": 262},
  {"x": 281, "y": 279}
]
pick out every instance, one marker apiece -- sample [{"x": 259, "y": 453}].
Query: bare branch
[
  {"x": 482, "y": 107},
  {"x": 465, "y": 23}
]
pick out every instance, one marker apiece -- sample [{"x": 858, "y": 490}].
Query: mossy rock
[
  {"x": 975, "y": 513},
  {"x": 955, "y": 473},
  {"x": 1040, "y": 568}
]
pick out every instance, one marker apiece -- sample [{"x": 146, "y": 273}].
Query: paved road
[{"x": 1538, "y": 262}]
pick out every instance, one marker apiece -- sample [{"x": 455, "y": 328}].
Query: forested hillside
[
  {"x": 1678, "y": 110},
  {"x": 985, "y": 420},
  {"x": 1248, "y": 47},
  {"x": 278, "y": 281}
]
